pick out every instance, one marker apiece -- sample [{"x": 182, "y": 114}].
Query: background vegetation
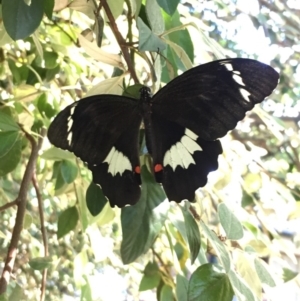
[{"x": 73, "y": 246}]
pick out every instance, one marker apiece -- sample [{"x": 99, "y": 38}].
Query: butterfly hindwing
[
  {"x": 210, "y": 99},
  {"x": 181, "y": 159},
  {"x": 103, "y": 132}
]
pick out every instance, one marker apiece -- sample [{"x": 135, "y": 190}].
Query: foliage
[{"x": 54, "y": 53}]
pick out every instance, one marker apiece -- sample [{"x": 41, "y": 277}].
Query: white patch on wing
[
  {"x": 69, "y": 138},
  {"x": 180, "y": 154},
  {"x": 245, "y": 94},
  {"x": 238, "y": 79},
  {"x": 228, "y": 66},
  {"x": 117, "y": 162}
]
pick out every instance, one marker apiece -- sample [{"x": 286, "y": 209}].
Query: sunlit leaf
[
  {"x": 182, "y": 285},
  {"x": 230, "y": 223},
  {"x": 263, "y": 273},
  {"x": 148, "y": 41},
  {"x": 217, "y": 245}
]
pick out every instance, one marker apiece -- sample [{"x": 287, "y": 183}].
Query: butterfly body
[{"x": 182, "y": 122}]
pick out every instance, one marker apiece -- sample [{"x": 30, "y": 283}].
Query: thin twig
[
  {"x": 8, "y": 205},
  {"x": 43, "y": 230},
  {"x": 120, "y": 40},
  {"x": 21, "y": 201}
]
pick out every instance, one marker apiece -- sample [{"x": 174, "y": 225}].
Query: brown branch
[
  {"x": 8, "y": 205},
  {"x": 120, "y": 40},
  {"x": 43, "y": 230},
  {"x": 21, "y": 202}
]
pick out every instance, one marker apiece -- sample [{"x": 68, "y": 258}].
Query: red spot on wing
[
  {"x": 158, "y": 168},
  {"x": 137, "y": 170}
]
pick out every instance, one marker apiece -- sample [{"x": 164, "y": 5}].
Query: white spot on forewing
[
  {"x": 228, "y": 66},
  {"x": 69, "y": 138},
  {"x": 70, "y": 123},
  {"x": 245, "y": 94},
  {"x": 72, "y": 110},
  {"x": 117, "y": 162},
  {"x": 180, "y": 154},
  {"x": 238, "y": 79}
]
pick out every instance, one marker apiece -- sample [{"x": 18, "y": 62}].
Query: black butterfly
[{"x": 182, "y": 122}]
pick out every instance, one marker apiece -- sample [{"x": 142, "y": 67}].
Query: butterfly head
[{"x": 145, "y": 94}]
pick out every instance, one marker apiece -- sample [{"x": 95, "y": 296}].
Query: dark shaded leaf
[
  {"x": 67, "y": 221},
  {"x": 142, "y": 222},
  {"x": 41, "y": 263},
  {"x": 11, "y": 159},
  {"x": 151, "y": 277},
  {"x": 95, "y": 199},
  {"x": 7, "y": 123},
  {"x": 169, "y": 6},
  {"x": 48, "y": 8},
  {"x": 69, "y": 171},
  {"x": 192, "y": 233},
  {"x": 209, "y": 285},
  {"x": 7, "y": 141},
  {"x": 21, "y": 20}
]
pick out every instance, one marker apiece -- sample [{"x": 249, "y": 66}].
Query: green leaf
[
  {"x": 142, "y": 222},
  {"x": 44, "y": 107},
  {"x": 155, "y": 17},
  {"x": 209, "y": 285},
  {"x": 56, "y": 154},
  {"x": 95, "y": 199},
  {"x": 166, "y": 293},
  {"x": 241, "y": 289},
  {"x": 148, "y": 41},
  {"x": 49, "y": 61},
  {"x": 48, "y": 8},
  {"x": 180, "y": 37},
  {"x": 16, "y": 294},
  {"x": 182, "y": 285},
  {"x": 7, "y": 141},
  {"x": 86, "y": 291},
  {"x": 69, "y": 171},
  {"x": 218, "y": 246},
  {"x": 169, "y": 6},
  {"x": 288, "y": 274},
  {"x": 7, "y": 123},
  {"x": 263, "y": 273},
  {"x": 151, "y": 277},
  {"x": 11, "y": 159},
  {"x": 67, "y": 221},
  {"x": 21, "y": 20},
  {"x": 232, "y": 226},
  {"x": 41, "y": 263},
  {"x": 192, "y": 233}
]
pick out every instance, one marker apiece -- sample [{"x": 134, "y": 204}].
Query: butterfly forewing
[
  {"x": 103, "y": 132},
  {"x": 210, "y": 99}
]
